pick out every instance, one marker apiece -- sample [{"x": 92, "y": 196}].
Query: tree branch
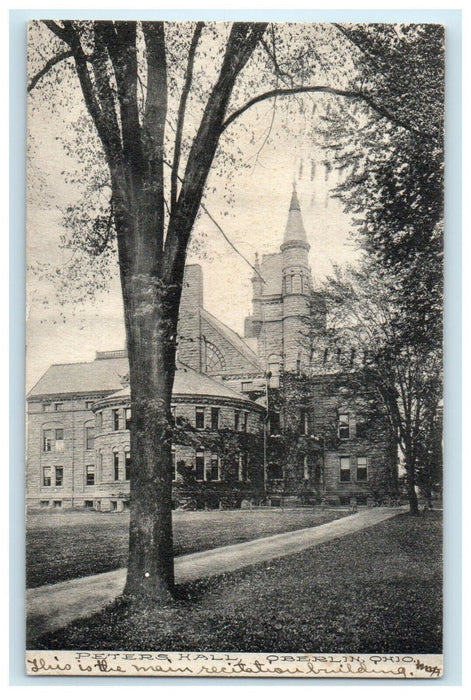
[
  {"x": 357, "y": 44},
  {"x": 241, "y": 43},
  {"x": 153, "y": 127},
  {"x": 70, "y": 36},
  {"x": 181, "y": 112},
  {"x": 351, "y": 94},
  {"x": 220, "y": 229},
  {"x": 50, "y": 64}
]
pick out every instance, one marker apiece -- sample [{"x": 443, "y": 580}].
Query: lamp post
[{"x": 265, "y": 430}]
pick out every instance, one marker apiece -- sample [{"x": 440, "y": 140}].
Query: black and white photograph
[{"x": 234, "y": 361}]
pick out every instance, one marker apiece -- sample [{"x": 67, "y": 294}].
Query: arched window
[
  {"x": 52, "y": 437},
  {"x": 213, "y": 358}
]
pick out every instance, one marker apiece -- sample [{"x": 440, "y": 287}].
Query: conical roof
[
  {"x": 295, "y": 230},
  {"x": 187, "y": 382}
]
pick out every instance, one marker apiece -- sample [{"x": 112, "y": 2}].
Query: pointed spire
[
  {"x": 294, "y": 200},
  {"x": 294, "y": 231}
]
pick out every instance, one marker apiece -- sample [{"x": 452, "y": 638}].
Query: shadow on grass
[{"x": 375, "y": 591}]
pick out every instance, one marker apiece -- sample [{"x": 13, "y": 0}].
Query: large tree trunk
[{"x": 151, "y": 326}]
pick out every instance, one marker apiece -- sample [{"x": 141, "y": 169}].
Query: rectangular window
[
  {"x": 236, "y": 420},
  {"x": 344, "y": 468},
  {"x": 127, "y": 418},
  {"x": 57, "y": 504},
  {"x": 199, "y": 464},
  {"x": 362, "y": 469},
  {"x": 306, "y": 467},
  {"x": 344, "y": 426},
  {"x": 114, "y": 505},
  {"x": 89, "y": 437},
  {"x": 47, "y": 476},
  {"x": 244, "y": 422},
  {"x": 115, "y": 414},
  {"x": 44, "y": 504},
  {"x": 88, "y": 504},
  {"x": 48, "y": 441},
  {"x": 242, "y": 466},
  {"x": 90, "y": 475},
  {"x": 116, "y": 466},
  {"x": 47, "y": 407},
  {"x": 246, "y": 386},
  {"x": 127, "y": 465},
  {"x": 100, "y": 420},
  {"x": 59, "y": 476},
  {"x": 58, "y": 406},
  {"x": 59, "y": 435},
  {"x": 215, "y": 419},
  {"x": 303, "y": 422},
  {"x": 213, "y": 472},
  {"x": 274, "y": 375},
  {"x": 53, "y": 440},
  {"x": 172, "y": 411},
  {"x": 199, "y": 422},
  {"x": 274, "y": 423}
]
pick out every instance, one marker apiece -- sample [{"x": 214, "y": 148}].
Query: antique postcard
[{"x": 234, "y": 349}]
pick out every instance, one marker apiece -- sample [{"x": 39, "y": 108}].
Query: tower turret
[{"x": 296, "y": 290}]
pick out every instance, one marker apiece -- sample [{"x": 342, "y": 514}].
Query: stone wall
[
  {"x": 312, "y": 447},
  {"x": 73, "y": 456}
]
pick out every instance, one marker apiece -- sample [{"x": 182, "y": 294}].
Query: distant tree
[
  {"x": 404, "y": 370},
  {"x": 390, "y": 180}
]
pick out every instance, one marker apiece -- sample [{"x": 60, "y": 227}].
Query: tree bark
[{"x": 151, "y": 350}]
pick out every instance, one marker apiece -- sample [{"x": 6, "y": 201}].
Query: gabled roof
[
  {"x": 82, "y": 377},
  {"x": 232, "y": 337}
]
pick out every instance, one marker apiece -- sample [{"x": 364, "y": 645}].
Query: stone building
[
  {"x": 69, "y": 460},
  {"x": 217, "y": 452},
  {"x": 275, "y": 414},
  {"x": 326, "y": 437}
]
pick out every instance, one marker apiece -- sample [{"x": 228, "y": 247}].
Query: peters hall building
[{"x": 270, "y": 416}]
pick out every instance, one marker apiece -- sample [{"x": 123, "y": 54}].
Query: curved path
[{"x": 53, "y": 606}]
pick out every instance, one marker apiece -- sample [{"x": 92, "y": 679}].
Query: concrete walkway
[{"x": 53, "y": 606}]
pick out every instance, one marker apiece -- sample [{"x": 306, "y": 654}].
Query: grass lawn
[
  {"x": 65, "y": 545},
  {"x": 375, "y": 591}
]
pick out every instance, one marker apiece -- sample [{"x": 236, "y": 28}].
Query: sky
[{"x": 254, "y": 222}]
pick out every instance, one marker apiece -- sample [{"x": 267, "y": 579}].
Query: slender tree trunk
[{"x": 411, "y": 482}]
